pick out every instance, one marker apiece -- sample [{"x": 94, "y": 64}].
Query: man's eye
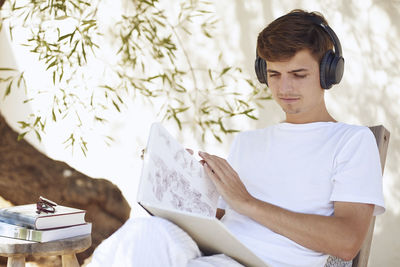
[
  {"x": 273, "y": 75},
  {"x": 300, "y": 76}
]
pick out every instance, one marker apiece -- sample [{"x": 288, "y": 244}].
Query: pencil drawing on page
[{"x": 174, "y": 179}]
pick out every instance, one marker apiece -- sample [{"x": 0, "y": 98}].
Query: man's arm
[{"x": 339, "y": 235}]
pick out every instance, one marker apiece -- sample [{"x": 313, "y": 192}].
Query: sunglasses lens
[{"x": 45, "y": 207}]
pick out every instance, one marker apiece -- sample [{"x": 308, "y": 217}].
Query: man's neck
[
  {"x": 302, "y": 121},
  {"x": 324, "y": 116},
  {"x": 318, "y": 113}
]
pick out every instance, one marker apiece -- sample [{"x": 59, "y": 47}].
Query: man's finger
[
  {"x": 209, "y": 168},
  {"x": 210, "y": 172},
  {"x": 215, "y": 163},
  {"x": 211, "y": 160}
]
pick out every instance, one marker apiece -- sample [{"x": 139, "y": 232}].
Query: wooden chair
[
  {"x": 382, "y": 136},
  {"x": 16, "y": 250}
]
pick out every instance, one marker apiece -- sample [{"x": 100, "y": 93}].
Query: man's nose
[{"x": 285, "y": 84}]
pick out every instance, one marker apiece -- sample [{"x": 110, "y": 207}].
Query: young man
[
  {"x": 307, "y": 187},
  {"x": 294, "y": 192}
]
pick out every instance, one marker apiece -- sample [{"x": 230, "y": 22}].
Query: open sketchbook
[{"x": 173, "y": 185}]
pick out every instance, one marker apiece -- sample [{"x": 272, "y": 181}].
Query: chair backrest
[
  {"x": 382, "y": 136},
  {"x": 361, "y": 260}
]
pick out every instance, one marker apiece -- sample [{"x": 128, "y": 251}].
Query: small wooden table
[{"x": 16, "y": 250}]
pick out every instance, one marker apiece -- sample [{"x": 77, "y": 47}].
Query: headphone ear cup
[
  {"x": 261, "y": 70},
  {"x": 325, "y": 69},
  {"x": 337, "y": 69}
]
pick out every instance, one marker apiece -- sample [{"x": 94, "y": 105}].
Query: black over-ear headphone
[{"x": 331, "y": 66}]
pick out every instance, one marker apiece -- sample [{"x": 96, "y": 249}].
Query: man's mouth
[{"x": 289, "y": 100}]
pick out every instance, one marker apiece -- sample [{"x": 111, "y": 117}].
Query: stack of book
[{"x": 24, "y": 222}]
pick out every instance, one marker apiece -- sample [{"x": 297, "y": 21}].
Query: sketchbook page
[
  {"x": 173, "y": 179},
  {"x": 211, "y": 235}
]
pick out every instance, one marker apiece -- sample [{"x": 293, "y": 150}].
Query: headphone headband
[{"x": 330, "y": 32}]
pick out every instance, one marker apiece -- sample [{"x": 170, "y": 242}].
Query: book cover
[
  {"x": 19, "y": 232},
  {"x": 26, "y": 216},
  {"x": 174, "y": 186}
]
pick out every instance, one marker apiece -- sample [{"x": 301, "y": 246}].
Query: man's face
[{"x": 296, "y": 87}]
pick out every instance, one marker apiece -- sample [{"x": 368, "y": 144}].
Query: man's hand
[{"x": 226, "y": 180}]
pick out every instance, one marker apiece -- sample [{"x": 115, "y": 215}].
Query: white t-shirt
[{"x": 302, "y": 168}]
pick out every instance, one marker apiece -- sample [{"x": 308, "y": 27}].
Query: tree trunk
[{"x": 26, "y": 174}]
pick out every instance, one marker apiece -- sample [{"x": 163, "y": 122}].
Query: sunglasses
[{"x": 45, "y": 205}]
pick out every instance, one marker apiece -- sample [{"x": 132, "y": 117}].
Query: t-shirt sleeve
[
  {"x": 233, "y": 160},
  {"x": 357, "y": 172}
]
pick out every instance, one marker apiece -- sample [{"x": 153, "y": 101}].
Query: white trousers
[{"x": 153, "y": 242}]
